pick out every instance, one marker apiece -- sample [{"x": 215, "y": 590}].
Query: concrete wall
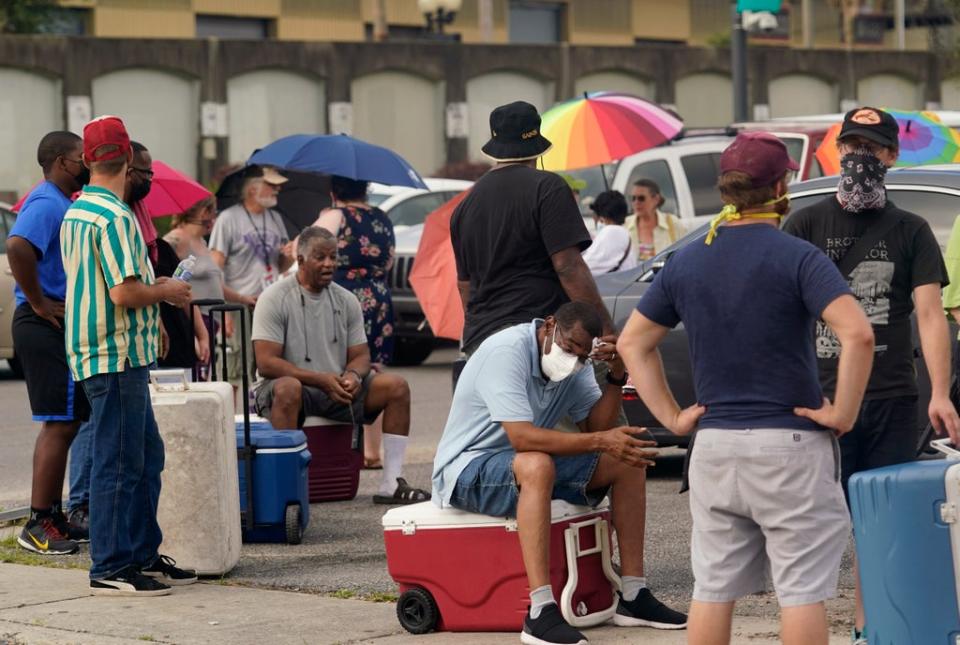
[
  {"x": 267, "y": 104},
  {"x": 398, "y": 93},
  {"x": 160, "y": 109},
  {"x": 802, "y": 94}
]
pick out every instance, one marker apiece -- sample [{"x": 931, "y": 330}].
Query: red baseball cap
[
  {"x": 760, "y": 155},
  {"x": 105, "y": 131}
]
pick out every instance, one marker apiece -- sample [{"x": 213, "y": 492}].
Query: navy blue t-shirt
[
  {"x": 39, "y": 223},
  {"x": 749, "y": 303}
]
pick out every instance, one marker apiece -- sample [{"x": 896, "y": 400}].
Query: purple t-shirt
[{"x": 749, "y": 303}]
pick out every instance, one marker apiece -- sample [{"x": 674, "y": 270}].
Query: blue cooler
[
  {"x": 281, "y": 487},
  {"x": 908, "y": 546}
]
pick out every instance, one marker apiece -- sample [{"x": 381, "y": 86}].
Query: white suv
[{"x": 686, "y": 171}]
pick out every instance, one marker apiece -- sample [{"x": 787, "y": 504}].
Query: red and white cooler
[{"x": 462, "y": 571}]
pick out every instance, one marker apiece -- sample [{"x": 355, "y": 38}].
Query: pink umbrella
[{"x": 172, "y": 191}]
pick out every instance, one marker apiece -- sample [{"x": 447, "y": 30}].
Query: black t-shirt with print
[
  {"x": 503, "y": 235},
  {"x": 905, "y": 258}
]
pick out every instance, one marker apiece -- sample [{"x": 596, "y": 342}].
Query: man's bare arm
[{"x": 579, "y": 284}]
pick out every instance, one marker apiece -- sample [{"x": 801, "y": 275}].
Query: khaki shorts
[{"x": 766, "y": 500}]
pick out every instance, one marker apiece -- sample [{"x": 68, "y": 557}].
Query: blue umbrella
[{"x": 338, "y": 154}]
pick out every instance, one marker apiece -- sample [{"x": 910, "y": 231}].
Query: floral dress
[{"x": 366, "y": 247}]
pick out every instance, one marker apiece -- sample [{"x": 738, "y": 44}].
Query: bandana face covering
[
  {"x": 731, "y": 214},
  {"x": 861, "y": 182}
]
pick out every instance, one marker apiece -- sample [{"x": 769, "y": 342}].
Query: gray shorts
[
  {"x": 766, "y": 499},
  {"x": 316, "y": 402}
]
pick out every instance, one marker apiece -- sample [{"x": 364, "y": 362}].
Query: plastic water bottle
[{"x": 184, "y": 270}]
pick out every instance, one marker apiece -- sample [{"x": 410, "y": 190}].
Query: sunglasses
[{"x": 638, "y": 198}]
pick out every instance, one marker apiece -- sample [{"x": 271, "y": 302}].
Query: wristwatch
[{"x": 619, "y": 382}]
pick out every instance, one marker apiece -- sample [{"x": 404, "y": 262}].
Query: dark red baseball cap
[
  {"x": 105, "y": 131},
  {"x": 760, "y": 155}
]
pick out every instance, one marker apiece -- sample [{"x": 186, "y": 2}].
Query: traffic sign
[{"x": 773, "y": 6}]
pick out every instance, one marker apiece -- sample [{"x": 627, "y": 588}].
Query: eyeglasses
[
  {"x": 566, "y": 346},
  {"x": 146, "y": 172},
  {"x": 638, "y": 198}
]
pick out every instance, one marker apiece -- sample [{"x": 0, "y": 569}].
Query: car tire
[
  {"x": 15, "y": 367},
  {"x": 408, "y": 352}
]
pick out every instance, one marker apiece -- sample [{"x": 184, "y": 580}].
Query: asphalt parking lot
[{"x": 342, "y": 550}]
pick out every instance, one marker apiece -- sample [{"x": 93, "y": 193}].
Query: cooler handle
[
  {"x": 946, "y": 447},
  {"x": 169, "y": 380},
  {"x": 571, "y": 538}
]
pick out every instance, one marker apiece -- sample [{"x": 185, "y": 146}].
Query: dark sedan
[{"x": 931, "y": 192}]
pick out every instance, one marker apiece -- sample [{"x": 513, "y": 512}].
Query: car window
[
  {"x": 7, "y": 218},
  {"x": 702, "y": 171},
  {"x": 939, "y": 209},
  {"x": 375, "y": 199},
  {"x": 659, "y": 172},
  {"x": 413, "y": 211}
]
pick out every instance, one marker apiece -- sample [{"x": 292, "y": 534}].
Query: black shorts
[
  {"x": 54, "y": 396},
  {"x": 884, "y": 434},
  {"x": 315, "y": 402}
]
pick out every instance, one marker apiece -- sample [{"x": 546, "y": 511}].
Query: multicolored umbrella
[
  {"x": 602, "y": 127},
  {"x": 923, "y": 140}
]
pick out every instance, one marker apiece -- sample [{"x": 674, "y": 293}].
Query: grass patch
[
  {"x": 350, "y": 594},
  {"x": 11, "y": 553},
  {"x": 146, "y": 637}
]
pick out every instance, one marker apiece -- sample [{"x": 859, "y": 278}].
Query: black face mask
[
  {"x": 83, "y": 177},
  {"x": 139, "y": 190}
]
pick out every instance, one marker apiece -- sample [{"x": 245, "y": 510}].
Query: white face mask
[
  {"x": 558, "y": 364},
  {"x": 267, "y": 202}
]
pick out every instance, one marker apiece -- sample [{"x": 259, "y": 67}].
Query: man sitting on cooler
[
  {"x": 499, "y": 455},
  {"x": 312, "y": 352}
]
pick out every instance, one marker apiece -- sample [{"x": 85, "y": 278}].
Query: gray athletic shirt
[{"x": 321, "y": 326}]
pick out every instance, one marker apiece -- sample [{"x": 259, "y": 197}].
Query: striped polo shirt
[{"x": 101, "y": 246}]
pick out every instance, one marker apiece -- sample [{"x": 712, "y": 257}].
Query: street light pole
[{"x": 738, "y": 61}]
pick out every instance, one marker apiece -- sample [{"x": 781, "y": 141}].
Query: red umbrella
[
  {"x": 172, "y": 191},
  {"x": 434, "y": 274}
]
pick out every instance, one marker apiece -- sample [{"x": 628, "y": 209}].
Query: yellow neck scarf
[{"x": 731, "y": 214}]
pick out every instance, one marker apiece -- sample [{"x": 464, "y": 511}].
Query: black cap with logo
[{"x": 872, "y": 124}]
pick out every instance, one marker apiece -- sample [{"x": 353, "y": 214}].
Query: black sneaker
[
  {"x": 550, "y": 628},
  {"x": 41, "y": 535},
  {"x": 80, "y": 517},
  {"x": 128, "y": 582},
  {"x": 647, "y": 611},
  {"x": 75, "y": 532},
  {"x": 165, "y": 570}
]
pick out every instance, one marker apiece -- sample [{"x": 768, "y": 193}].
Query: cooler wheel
[
  {"x": 292, "y": 517},
  {"x": 417, "y": 611}
]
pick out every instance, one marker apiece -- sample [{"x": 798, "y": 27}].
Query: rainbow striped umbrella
[
  {"x": 924, "y": 140},
  {"x": 602, "y": 127}
]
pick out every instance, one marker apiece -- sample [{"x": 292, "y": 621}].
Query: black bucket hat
[{"x": 515, "y": 133}]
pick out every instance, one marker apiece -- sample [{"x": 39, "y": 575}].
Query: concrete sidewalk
[{"x": 45, "y": 605}]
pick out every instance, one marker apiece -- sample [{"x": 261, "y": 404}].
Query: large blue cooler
[
  {"x": 281, "y": 487},
  {"x": 908, "y": 546}
]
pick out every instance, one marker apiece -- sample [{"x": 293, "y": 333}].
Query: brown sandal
[{"x": 372, "y": 464}]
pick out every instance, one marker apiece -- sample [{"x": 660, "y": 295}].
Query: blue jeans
[
  {"x": 80, "y": 468},
  {"x": 127, "y": 459},
  {"x": 487, "y": 485}
]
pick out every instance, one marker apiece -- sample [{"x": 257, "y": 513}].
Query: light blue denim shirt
[{"x": 502, "y": 382}]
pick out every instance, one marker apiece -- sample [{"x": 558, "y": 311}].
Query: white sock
[
  {"x": 394, "y": 447},
  {"x": 630, "y": 586},
  {"x": 540, "y": 598}
]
